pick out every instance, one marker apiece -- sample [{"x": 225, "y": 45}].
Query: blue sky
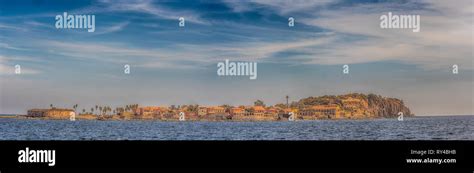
[{"x": 173, "y": 65}]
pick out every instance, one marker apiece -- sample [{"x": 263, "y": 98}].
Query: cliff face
[
  {"x": 357, "y": 105},
  {"x": 386, "y": 107}
]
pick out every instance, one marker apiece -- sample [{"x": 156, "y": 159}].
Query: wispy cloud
[
  {"x": 283, "y": 7},
  {"x": 9, "y": 27},
  {"x": 145, "y": 7},
  {"x": 118, "y": 53},
  {"x": 8, "y": 46},
  {"x": 440, "y": 43},
  {"x": 114, "y": 28}
]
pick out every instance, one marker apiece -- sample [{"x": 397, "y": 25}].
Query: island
[{"x": 328, "y": 107}]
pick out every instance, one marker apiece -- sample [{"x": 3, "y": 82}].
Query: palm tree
[
  {"x": 92, "y": 110},
  {"x": 75, "y": 107},
  {"x": 108, "y": 109},
  {"x": 51, "y": 105},
  {"x": 136, "y": 107},
  {"x": 259, "y": 103},
  {"x": 83, "y": 111}
]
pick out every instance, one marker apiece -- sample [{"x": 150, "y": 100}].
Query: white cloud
[
  {"x": 147, "y": 7},
  {"x": 441, "y": 42},
  {"x": 283, "y": 7},
  {"x": 8, "y": 46},
  {"x": 114, "y": 28},
  {"x": 123, "y": 53},
  {"x": 11, "y": 27},
  {"x": 446, "y": 35},
  {"x": 262, "y": 50}
]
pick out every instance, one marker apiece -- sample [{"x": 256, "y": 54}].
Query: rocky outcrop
[
  {"x": 386, "y": 107},
  {"x": 356, "y": 105}
]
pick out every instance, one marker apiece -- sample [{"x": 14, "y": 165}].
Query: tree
[
  {"x": 294, "y": 104},
  {"x": 192, "y": 108},
  {"x": 280, "y": 105},
  {"x": 51, "y": 105},
  {"x": 106, "y": 109},
  {"x": 75, "y": 107},
  {"x": 135, "y": 107},
  {"x": 226, "y": 108},
  {"x": 259, "y": 103}
]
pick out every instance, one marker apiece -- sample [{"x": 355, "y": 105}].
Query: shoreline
[
  {"x": 24, "y": 117},
  {"x": 10, "y": 116}
]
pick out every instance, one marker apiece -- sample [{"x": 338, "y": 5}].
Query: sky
[{"x": 177, "y": 65}]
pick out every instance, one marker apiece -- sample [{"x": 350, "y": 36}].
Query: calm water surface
[{"x": 419, "y": 128}]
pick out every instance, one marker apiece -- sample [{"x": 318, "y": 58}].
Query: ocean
[{"x": 417, "y": 128}]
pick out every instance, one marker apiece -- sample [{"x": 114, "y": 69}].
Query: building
[
  {"x": 321, "y": 111},
  {"x": 309, "y": 112},
  {"x": 51, "y": 113},
  {"x": 215, "y": 110},
  {"x": 354, "y": 107},
  {"x": 331, "y": 111},
  {"x": 271, "y": 112},
  {"x": 149, "y": 111},
  {"x": 351, "y": 103},
  {"x": 237, "y": 111},
  {"x": 37, "y": 112},
  {"x": 248, "y": 111},
  {"x": 258, "y": 111},
  {"x": 202, "y": 111}
]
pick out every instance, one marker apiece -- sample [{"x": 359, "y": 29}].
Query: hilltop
[{"x": 356, "y": 105}]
